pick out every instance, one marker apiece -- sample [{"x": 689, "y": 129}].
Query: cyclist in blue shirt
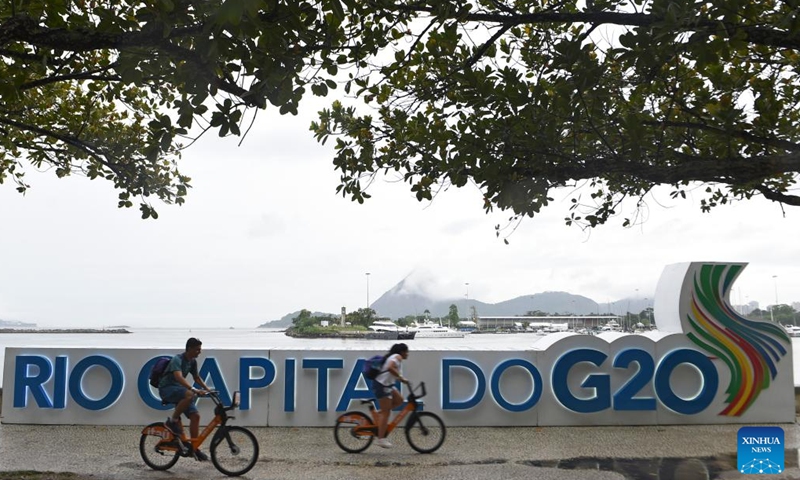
[{"x": 175, "y": 388}]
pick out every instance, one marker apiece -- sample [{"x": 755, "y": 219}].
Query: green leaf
[{"x": 338, "y": 11}]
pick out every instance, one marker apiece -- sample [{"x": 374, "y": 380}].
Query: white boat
[
  {"x": 543, "y": 328},
  {"x": 383, "y": 326},
  {"x": 611, "y": 326},
  {"x": 792, "y": 330},
  {"x": 537, "y": 327},
  {"x": 382, "y": 330},
  {"x": 386, "y": 330},
  {"x": 434, "y": 330}
]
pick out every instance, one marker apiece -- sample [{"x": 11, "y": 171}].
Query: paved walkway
[{"x": 557, "y": 453}]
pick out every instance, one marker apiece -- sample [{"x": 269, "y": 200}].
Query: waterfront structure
[{"x": 573, "y": 322}]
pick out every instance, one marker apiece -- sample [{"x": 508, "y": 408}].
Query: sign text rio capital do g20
[{"x": 705, "y": 364}]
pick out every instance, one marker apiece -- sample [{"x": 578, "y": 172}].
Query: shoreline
[
  {"x": 362, "y": 334},
  {"x": 63, "y": 330}
]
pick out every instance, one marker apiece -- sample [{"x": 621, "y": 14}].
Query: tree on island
[
  {"x": 518, "y": 98},
  {"x": 306, "y": 320},
  {"x": 362, "y": 317}
]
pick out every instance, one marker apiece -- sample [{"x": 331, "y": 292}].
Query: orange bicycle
[
  {"x": 425, "y": 431},
  {"x": 234, "y": 449}
]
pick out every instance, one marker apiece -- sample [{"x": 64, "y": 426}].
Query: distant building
[
  {"x": 571, "y": 321},
  {"x": 746, "y": 309}
]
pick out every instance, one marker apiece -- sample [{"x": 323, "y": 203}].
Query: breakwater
[{"x": 63, "y": 330}]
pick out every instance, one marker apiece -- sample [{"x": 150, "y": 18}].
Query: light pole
[
  {"x": 771, "y": 315},
  {"x": 627, "y": 315},
  {"x": 367, "y": 293},
  {"x": 466, "y": 284}
]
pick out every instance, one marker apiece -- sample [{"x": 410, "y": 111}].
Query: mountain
[
  {"x": 405, "y": 299},
  {"x": 15, "y": 324}
]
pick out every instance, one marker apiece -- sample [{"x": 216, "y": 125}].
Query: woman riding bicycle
[{"x": 383, "y": 389}]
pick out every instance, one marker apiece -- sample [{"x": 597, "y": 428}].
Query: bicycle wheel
[
  {"x": 425, "y": 432},
  {"x": 234, "y": 450},
  {"x": 353, "y": 432},
  {"x": 157, "y": 447}
]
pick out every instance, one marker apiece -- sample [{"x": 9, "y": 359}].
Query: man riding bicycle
[{"x": 175, "y": 388}]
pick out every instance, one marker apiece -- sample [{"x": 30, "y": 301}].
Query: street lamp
[
  {"x": 466, "y": 284},
  {"x": 771, "y": 315},
  {"x": 367, "y": 293},
  {"x": 627, "y": 315},
  {"x": 775, "y": 279}
]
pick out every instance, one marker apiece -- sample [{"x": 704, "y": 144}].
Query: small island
[{"x": 357, "y": 325}]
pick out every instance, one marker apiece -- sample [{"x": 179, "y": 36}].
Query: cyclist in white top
[{"x": 384, "y": 390}]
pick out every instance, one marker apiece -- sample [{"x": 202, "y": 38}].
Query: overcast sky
[{"x": 264, "y": 234}]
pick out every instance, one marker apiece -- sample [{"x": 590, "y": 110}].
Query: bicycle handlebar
[
  {"x": 421, "y": 386},
  {"x": 214, "y": 395}
]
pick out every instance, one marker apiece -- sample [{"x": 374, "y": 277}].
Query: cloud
[{"x": 422, "y": 281}]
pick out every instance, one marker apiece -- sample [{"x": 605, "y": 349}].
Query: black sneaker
[
  {"x": 200, "y": 456},
  {"x": 174, "y": 427}
]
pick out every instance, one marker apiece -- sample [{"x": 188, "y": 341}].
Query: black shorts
[{"x": 380, "y": 390}]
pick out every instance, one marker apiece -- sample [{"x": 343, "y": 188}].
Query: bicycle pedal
[{"x": 183, "y": 449}]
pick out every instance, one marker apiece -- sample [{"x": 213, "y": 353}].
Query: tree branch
[
  {"x": 753, "y": 34},
  {"x": 25, "y": 29},
  {"x": 89, "y": 149},
  {"x": 778, "y": 196},
  {"x": 90, "y": 75},
  {"x": 483, "y": 48},
  {"x": 732, "y": 171},
  {"x": 770, "y": 142}
]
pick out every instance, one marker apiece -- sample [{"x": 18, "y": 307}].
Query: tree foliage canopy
[
  {"x": 115, "y": 89},
  {"x": 617, "y": 96},
  {"x": 517, "y": 97}
]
